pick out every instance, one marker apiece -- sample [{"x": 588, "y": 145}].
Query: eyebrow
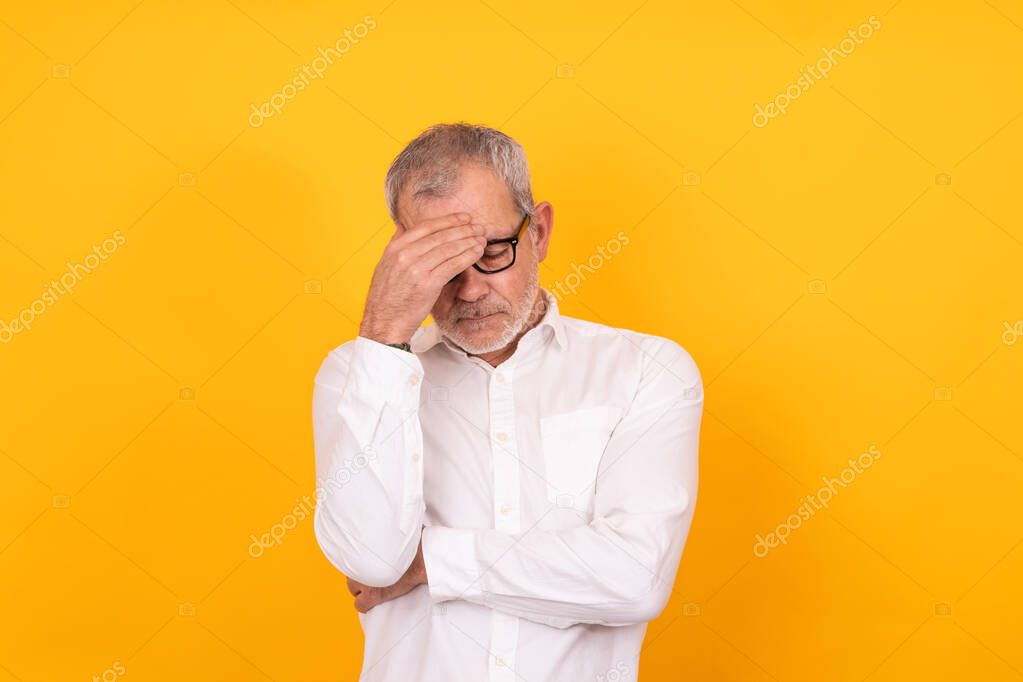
[{"x": 517, "y": 228}]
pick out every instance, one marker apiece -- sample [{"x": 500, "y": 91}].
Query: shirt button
[
  {"x": 499, "y": 660},
  {"x": 501, "y": 435},
  {"x": 499, "y": 377},
  {"x": 413, "y": 380},
  {"x": 505, "y": 508},
  {"x": 415, "y": 456}
]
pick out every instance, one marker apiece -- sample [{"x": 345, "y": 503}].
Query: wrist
[{"x": 385, "y": 334}]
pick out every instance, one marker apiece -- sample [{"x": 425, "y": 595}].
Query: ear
[{"x": 543, "y": 224}]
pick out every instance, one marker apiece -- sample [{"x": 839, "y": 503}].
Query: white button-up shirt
[{"x": 556, "y": 491}]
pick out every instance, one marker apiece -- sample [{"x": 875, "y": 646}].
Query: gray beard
[{"x": 521, "y": 314}]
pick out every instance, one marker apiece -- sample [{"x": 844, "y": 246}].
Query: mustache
[{"x": 460, "y": 313}]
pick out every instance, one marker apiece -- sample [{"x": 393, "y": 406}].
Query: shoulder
[{"x": 629, "y": 347}]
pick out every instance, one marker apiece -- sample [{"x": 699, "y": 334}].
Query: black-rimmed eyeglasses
[{"x": 499, "y": 254}]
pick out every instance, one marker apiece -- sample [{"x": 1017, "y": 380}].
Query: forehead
[{"x": 478, "y": 192}]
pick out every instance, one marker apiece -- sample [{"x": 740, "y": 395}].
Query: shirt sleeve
[
  {"x": 620, "y": 568},
  {"x": 369, "y": 464}
]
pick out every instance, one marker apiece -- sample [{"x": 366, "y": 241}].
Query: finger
[
  {"x": 430, "y": 241},
  {"x": 364, "y": 603},
  {"x": 444, "y": 252},
  {"x": 450, "y": 267},
  {"x": 429, "y": 225}
]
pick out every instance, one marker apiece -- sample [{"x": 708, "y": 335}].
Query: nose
[{"x": 470, "y": 284}]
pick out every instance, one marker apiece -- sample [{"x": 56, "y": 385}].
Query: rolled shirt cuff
[
  {"x": 388, "y": 373},
  {"x": 452, "y": 568}
]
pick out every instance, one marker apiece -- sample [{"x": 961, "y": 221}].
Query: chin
[
  {"x": 478, "y": 337},
  {"x": 476, "y": 343},
  {"x": 481, "y": 343}
]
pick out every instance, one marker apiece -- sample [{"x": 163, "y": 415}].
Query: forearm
[
  {"x": 368, "y": 461},
  {"x": 602, "y": 573}
]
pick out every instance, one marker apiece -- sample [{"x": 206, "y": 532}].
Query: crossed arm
[{"x": 617, "y": 570}]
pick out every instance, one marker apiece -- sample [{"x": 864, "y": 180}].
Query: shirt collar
[{"x": 429, "y": 336}]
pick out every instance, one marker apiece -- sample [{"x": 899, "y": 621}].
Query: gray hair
[{"x": 431, "y": 162}]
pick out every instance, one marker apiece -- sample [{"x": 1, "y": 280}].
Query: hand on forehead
[{"x": 497, "y": 223}]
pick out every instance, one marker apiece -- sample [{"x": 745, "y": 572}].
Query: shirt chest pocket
[{"x": 573, "y": 444}]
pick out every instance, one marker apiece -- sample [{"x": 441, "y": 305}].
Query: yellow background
[{"x": 843, "y": 277}]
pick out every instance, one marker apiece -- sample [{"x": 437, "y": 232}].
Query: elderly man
[{"x": 508, "y": 490}]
